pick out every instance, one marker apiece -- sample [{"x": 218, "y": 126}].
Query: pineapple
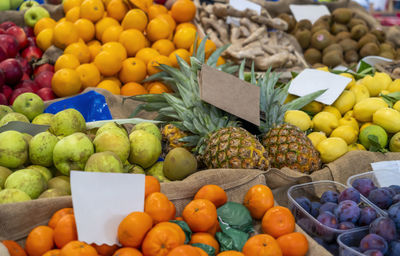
[{"x": 171, "y": 134}]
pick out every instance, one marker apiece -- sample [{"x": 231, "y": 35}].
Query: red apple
[
  {"x": 17, "y": 92},
  {"x": 43, "y": 79},
  {"x": 42, "y": 68},
  {"x": 2, "y": 31},
  {"x": 2, "y": 79},
  {"x": 7, "y": 24},
  {"x": 31, "y": 41},
  {"x": 32, "y": 52},
  {"x": 3, "y": 54},
  {"x": 19, "y": 35},
  {"x": 3, "y": 99},
  {"x": 25, "y": 76},
  {"x": 13, "y": 71},
  {"x": 28, "y": 84},
  {"x": 29, "y": 31},
  {"x": 46, "y": 94},
  {"x": 26, "y": 67},
  {"x": 7, "y": 91},
  {"x": 9, "y": 45}
]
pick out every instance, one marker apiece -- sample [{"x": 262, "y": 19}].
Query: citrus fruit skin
[
  {"x": 394, "y": 144},
  {"x": 376, "y": 130},
  {"x": 346, "y": 132},
  {"x": 364, "y": 109},
  {"x": 298, "y": 118},
  {"x": 325, "y": 122},
  {"x": 345, "y": 102},
  {"x": 388, "y": 119},
  {"x": 316, "y": 137},
  {"x": 331, "y": 149}
]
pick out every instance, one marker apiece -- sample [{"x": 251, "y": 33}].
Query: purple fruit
[
  {"x": 396, "y": 188},
  {"x": 367, "y": 215},
  {"x": 346, "y": 225},
  {"x": 355, "y": 248},
  {"x": 364, "y": 186},
  {"x": 2, "y": 79},
  {"x": 394, "y": 214},
  {"x": 394, "y": 248},
  {"x": 373, "y": 241},
  {"x": 384, "y": 227},
  {"x": 396, "y": 199},
  {"x": 380, "y": 197},
  {"x": 348, "y": 211},
  {"x": 391, "y": 191},
  {"x": 12, "y": 70},
  {"x": 349, "y": 194},
  {"x": 329, "y": 196},
  {"x": 327, "y": 207},
  {"x": 315, "y": 209},
  {"x": 304, "y": 202},
  {"x": 9, "y": 45},
  {"x": 3, "y": 54},
  {"x": 328, "y": 219},
  {"x": 373, "y": 253}
]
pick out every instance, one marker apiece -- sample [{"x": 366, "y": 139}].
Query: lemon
[
  {"x": 374, "y": 85},
  {"x": 345, "y": 102},
  {"x": 313, "y": 107},
  {"x": 360, "y": 91},
  {"x": 364, "y": 109},
  {"x": 375, "y": 130},
  {"x": 351, "y": 121},
  {"x": 394, "y": 86},
  {"x": 347, "y": 133},
  {"x": 385, "y": 92},
  {"x": 326, "y": 69},
  {"x": 397, "y": 105},
  {"x": 355, "y": 146},
  {"x": 384, "y": 79},
  {"x": 388, "y": 119},
  {"x": 316, "y": 137},
  {"x": 290, "y": 98},
  {"x": 352, "y": 82},
  {"x": 331, "y": 149},
  {"x": 349, "y": 113},
  {"x": 298, "y": 118},
  {"x": 365, "y": 125},
  {"x": 394, "y": 144},
  {"x": 325, "y": 122},
  {"x": 333, "y": 110}
]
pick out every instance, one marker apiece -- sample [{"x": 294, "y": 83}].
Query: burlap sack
[{"x": 56, "y": 12}]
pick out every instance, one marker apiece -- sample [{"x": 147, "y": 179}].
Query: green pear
[
  {"x": 27, "y": 137},
  {"x": 149, "y": 127},
  {"x": 179, "y": 163},
  {"x": 15, "y": 4},
  {"x": 13, "y": 195},
  {"x": 72, "y": 153},
  {"x": 61, "y": 183},
  {"x": 4, "y": 110},
  {"x": 145, "y": 148},
  {"x": 43, "y": 119},
  {"x": 29, "y": 104},
  {"x": 41, "y": 149},
  {"x": 4, "y": 173},
  {"x": 13, "y": 116},
  {"x": 27, "y": 180},
  {"x": 104, "y": 162},
  {"x": 157, "y": 171},
  {"x": 46, "y": 173},
  {"x": 67, "y": 122},
  {"x": 111, "y": 125},
  {"x": 13, "y": 149},
  {"x": 115, "y": 141},
  {"x": 53, "y": 192}
]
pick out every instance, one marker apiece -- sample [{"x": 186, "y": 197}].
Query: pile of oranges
[
  {"x": 115, "y": 44},
  {"x": 150, "y": 233}
]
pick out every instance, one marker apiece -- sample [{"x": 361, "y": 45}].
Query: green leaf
[
  {"x": 253, "y": 74},
  {"x": 294, "y": 74},
  {"x": 185, "y": 227},
  {"x": 205, "y": 247},
  {"x": 375, "y": 145},
  {"x": 241, "y": 70},
  {"x": 389, "y": 100},
  {"x": 212, "y": 60},
  {"x": 155, "y": 77},
  {"x": 363, "y": 66},
  {"x": 301, "y": 102},
  {"x": 201, "y": 54}
]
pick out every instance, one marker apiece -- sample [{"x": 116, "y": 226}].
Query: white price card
[
  {"x": 373, "y": 60},
  {"x": 308, "y": 12},
  {"x": 312, "y": 80},
  {"x": 102, "y": 200},
  {"x": 386, "y": 173},
  {"x": 242, "y": 5}
]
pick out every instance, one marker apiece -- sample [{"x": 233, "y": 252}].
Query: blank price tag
[
  {"x": 242, "y": 5},
  {"x": 308, "y": 12}
]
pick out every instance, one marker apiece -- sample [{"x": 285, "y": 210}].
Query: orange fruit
[
  {"x": 158, "y": 89},
  {"x": 45, "y": 38},
  {"x": 205, "y": 238},
  {"x": 263, "y": 245},
  {"x": 201, "y": 251},
  {"x": 213, "y": 193},
  {"x": 14, "y": 248},
  {"x": 61, "y": 20},
  {"x": 184, "y": 250},
  {"x": 158, "y": 207},
  {"x": 54, "y": 252},
  {"x": 230, "y": 253},
  {"x": 133, "y": 228},
  {"x": 78, "y": 248},
  {"x": 278, "y": 221},
  {"x": 220, "y": 61},
  {"x": 117, "y": 9},
  {"x": 65, "y": 33},
  {"x": 183, "y": 11},
  {"x": 58, "y": 215},
  {"x": 149, "y": 85},
  {"x": 66, "y": 82},
  {"x": 86, "y": 29},
  {"x": 105, "y": 249},
  {"x": 42, "y": 24},
  {"x": 216, "y": 228},
  {"x": 147, "y": 54},
  {"x": 110, "y": 86},
  {"x": 92, "y": 10},
  {"x": 133, "y": 40},
  {"x": 151, "y": 185},
  {"x": 39, "y": 241},
  {"x": 135, "y": 19},
  {"x": 174, "y": 226},
  {"x": 111, "y": 34},
  {"x": 209, "y": 48},
  {"x": 133, "y": 89},
  {"x": 258, "y": 200},
  {"x": 65, "y": 230},
  {"x": 66, "y": 61},
  {"x": 108, "y": 63},
  {"x": 94, "y": 49},
  {"x": 200, "y": 215},
  {"x": 103, "y": 24},
  {"x": 164, "y": 46},
  {"x": 127, "y": 251},
  {"x": 185, "y": 25},
  {"x": 156, "y": 9},
  {"x": 69, "y": 4},
  {"x": 169, "y": 19},
  {"x": 184, "y": 54},
  {"x": 152, "y": 66},
  {"x": 184, "y": 38},
  {"x": 73, "y": 14},
  {"x": 113, "y": 79},
  {"x": 160, "y": 240},
  {"x": 293, "y": 244},
  {"x": 158, "y": 29},
  {"x": 133, "y": 70},
  {"x": 116, "y": 48},
  {"x": 80, "y": 50},
  {"x": 89, "y": 75}
]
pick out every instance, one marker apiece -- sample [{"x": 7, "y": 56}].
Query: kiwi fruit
[
  {"x": 326, "y": 19},
  {"x": 319, "y": 27},
  {"x": 369, "y": 49},
  {"x": 321, "y": 39},
  {"x": 318, "y": 65},
  {"x": 367, "y": 38},
  {"x": 351, "y": 56},
  {"x": 342, "y": 35},
  {"x": 348, "y": 44},
  {"x": 386, "y": 47},
  {"x": 303, "y": 24},
  {"x": 333, "y": 47},
  {"x": 355, "y": 21},
  {"x": 387, "y": 54},
  {"x": 336, "y": 28},
  {"x": 379, "y": 34},
  {"x": 303, "y": 37},
  {"x": 313, "y": 56},
  {"x": 332, "y": 58},
  {"x": 290, "y": 20},
  {"x": 358, "y": 31},
  {"x": 342, "y": 15}
]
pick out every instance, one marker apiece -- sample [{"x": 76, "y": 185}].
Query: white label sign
[
  {"x": 308, "y": 12},
  {"x": 242, "y": 5}
]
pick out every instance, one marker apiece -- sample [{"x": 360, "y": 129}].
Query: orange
[
  {"x": 158, "y": 29},
  {"x": 142, "y": 4},
  {"x": 65, "y": 230},
  {"x": 14, "y": 248},
  {"x": 103, "y": 24},
  {"x": 65, "y": 33},
  {"x": 184, "y": 54},
  {"x": 205, "y": 238},
  {"x": 80, "y": 50},
  {"x": 105, "y": 249},
  {"x": 127, "y": 252},
  {"x": 135, "y": 19},
  {"x": 110, "y": 86},
  {"x": 155, "y": 10},
  {"x": 158, "y": 89},
  {"x": 133, "y": 89},
  {"x": 184, "y": 250},
  {"x": 158, "y": 207},
  {"x": 133, "y": 70},
  {"x": 185, "y": 25},
  {"x": 147, "y": 54},
  {"x": 66, "y": 82},
  {"x": 89, "y": 75},
  {"x": 42, "y": 24},
  {"x": 213, "y": 193},
  {"x": 174, "y": 226},
  {"x": 151, "y": 185},
  {"x": 113, "y": 79},
  {"x": 92, "y": 10},
  {"x": 58, "y": 215},
  {"x": 54, "y": 252},
  {"x": 210, "y": 47},
  {"x": 69, "y": 4},
  {"x": 94, "y": 49},
  {"x": 73, "y": 14},
  {"x": 86, "y": 29},
  {"x": 169, "y": 19},
  {"x": 133, "y": 40},
  {"x": 78, "y": 248},
  {"x": 220, "y": 61},
  {"x": 164, "y": 46},
  {"x": 108, "y": 63},
  {"x": 183, "y": 11},
  {"x": 160, "y": 240},
  {"x": 200, "y": 215},
  {"x": 230, "y": 253},
  {"x": 117, "y": 9},
  {"x": 116, "y": 48},
  {"x": 293, "y": 244},
  {"x": 258, "y": 200},
  {"x": 201, "y": 251},
  {"x": 214, "y": 229},
  {"x": 45, "y": 38},
  {"x": 184, "y": 38},
  {"x": 133, "y": 228},
  {"x": 61, "y": 20},
  {"x": 262, "y": 245},
  {"x": 278, "y": 221},
  {"x": 149, "y": 85},
  {"x": 39, "y": 241},
  {"x": 111, "y": 34},
  {"x": 152, "y": 66},
  {"x": 66, "y": 61}
]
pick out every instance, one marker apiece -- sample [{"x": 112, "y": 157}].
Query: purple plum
[
  {"x": 364, "y": 186},
  {"x": 346, "y": 225},
  {"x": 349, "y": 194},
  {"x": 373, "y": 253},
  {"x": 373, "y": 241},
  {"x": 328, "y": 219},
  {"x": 380, "y": 197},
  {"x": 394, "y": 214},
  {"x": 367, "y": 215},
  {"x": 384, "y": 227},
  {"x": 348, "y": 211},
  {"x": 315, "y": 209},
  {"x": 328, "y": 207},
  {"x": 329, "y": 196},
  {"x": 394, "y": 248},
  {"x": 396, "y": 188},
  {"x": 304, "y": 202}
]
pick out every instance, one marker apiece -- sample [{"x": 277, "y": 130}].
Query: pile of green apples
[{"x": 33, "y": 12}]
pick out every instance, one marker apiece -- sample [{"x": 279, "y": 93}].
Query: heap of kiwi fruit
[{"x": 339, "y": 39}]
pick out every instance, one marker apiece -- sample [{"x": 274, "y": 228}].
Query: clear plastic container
[{"x": 351, "y": 239}]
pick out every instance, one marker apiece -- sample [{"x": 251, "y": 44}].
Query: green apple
[
  {"x": 46, "y": 173},
  {"x": 28, "y": 4},
  {"x": 34, "y": 14},
  {"x": 13, "y": 149},
  {"x": 13, "y": 195},
  {"x": 13, "y": 116},
  {"x": 29, "y": 104},
  {"x": 14, "y": 4},
  {"x": 145, "y": 148},
  {"x": 111, "y": 126},
  {"x": 67, "y": 122},
  {"x": 27, "y": 180},
  {"x": 41, "y": 149},
  {"x": 43, "y": 119},
  {"x": 5, "y": 5},
  {"x": 61, "y": 183},
  {"x": 4, "y": 110},
  {"x": 104, "y": 162},
  {"x": 113, "y": 140},
  {"x": 149, "y": 127}
]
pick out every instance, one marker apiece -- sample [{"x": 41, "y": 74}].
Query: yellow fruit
[
  {"x": 108, "y": 63},
  {"x": 117, "y": 9},
  {"x": 158, "y": 29},
  {"x": 349, "y": 113},
  {"x": 313, "y": 107},
  {"x": 325, "y": 122},
  {"x": 290, "y": 98},
  {"x": 142, "y": 4},
  {"x": 66, "y": 82},
  {"x": 164, "y": 46},
  {"x": 348, "y": 120},
  {"x": 184, "y": 38},
  {"x": 374, "y": 85},
  {"x": 360, "y": 91},
  {"x": 365, "y": 125},
  {"x": 86, "y": 29},
  {"x": 45, "y": 39},
  {"x": 364, "y": 109},
  {"x": 111, "y": 34},
  {"x": 347, "y": 133},
  {"x": 110, "y": 86},
  {"x": 316, "y": 138},
  {"x": 80, "y": 50},
  {"x": 397, "y": 105},
  {"x": 355, "y": 146},
  {"x": 89, "y": 75},
  {"x": 114, "y": 79},
  {"x": 94, "y": 49},
  {"x": 385, "y": 92},
  {"x": 383, "y": 79},
  {"x": 209, "y": 48},
  {"x": 65, "y": 33},
  {"x": 103, "y": 24},
  {"x": 156, "y": 9},
  {"x": 394, "y": 86},
  {"x": 147, "y": 54},
  {"x": 331, "y": 149},
  {"x": 69, "y": 4},
  {"x": 135, "y": 19},
  {"x": 66, "y": 61},
  {"x": 92, "y": 10},
  {"x": 133, "y": 40},
  {"x": 152, "y": 66},
  {"x": 171, "y": 22},
  {"x": 220, "y": 61},
  {"x": 42, "y": 24},
  {"x": 73, "y": 14},
  {"x": 345, "y": 102},
  {"x": 326, "y": 69},
  {"x": 298, "y": 118},
  {"x": 133, "y": 70},
  {"x": 388, "y": 119},
  {"x": 333, "y": 110},
  {"x": 352, "y": 82},
  {"x": 182, "y": 53},
  {"x": 116, "y": 48},
  {"x": 185, "y": 25}
]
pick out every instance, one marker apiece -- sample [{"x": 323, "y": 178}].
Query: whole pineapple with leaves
[{"x": 215, "y": 134}]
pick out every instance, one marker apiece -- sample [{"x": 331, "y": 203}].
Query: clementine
[
  {"x": 205, "y": 238},
  {"x": 14, "y": 248},
  {"x": 183, "y": 10},
  {"x": 94, "y": 49},
  {"x": 157, "y": 29},
  {"x": 184, "y": 38},
  {"x": 117, "y": 9},
  {"x": 146, "y": 54},
  {"x": 133, "y": 70},
  {"x": 133, "y": 229},
  {"x": 135, "y": 19},
  {"x": 103, "y": 24},
  {"x": 258, "y": 200},
  {"x": 86, "y": 29},
  {"x": 127, "y": 251},
  {"x": 262, "y": 245},
  {"x": 230, "y": 253},
  {"x": 45, "y": 39},
  {"x": 213, "y": 193},
  {"x": 133, "y": 40},
  {"x": 200, "y": 215},
  {"x": 152, "y": 66},
  {"x": 160, "y": 240},
  {"x": 73, "y": 14},
  {"x": 278, "y": 221},
  {"x": 66, "y": 61},
  {"x": 58, "y": 215},
  {"x": 92, "y": 10},
  {"x": 133, "y": 89},
  {"x": 108, "y": 63},
  {"x": 164, "y": 46},
  {"x": 89, "y": 75},
  {"x": 182, "y": 53},
  {"x": 54, "y": 252},
  {"x": 158, "y": 207},
  {"x": 151, "y": 185},
  {"x": 61, "y": 30},
  {"x": 293, "y": 244},
  {"x": 65, "y": 231},
  {"x": 105, "y": 249},
  {"x": 78, "y": 248},
  {"x": 42, "y": 24},
  {"x": 111, "y": 34},
  {"x": 39, "y": 241},
  {"x": 110, "y": 86},
  {"x": 69, "y": 4},
  {"x": 184, "y": 250},
  {"x": 80, "y": 50},
  {"x": 66, "y": 82}
]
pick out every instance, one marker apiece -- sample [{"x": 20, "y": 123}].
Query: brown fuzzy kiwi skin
[
  {"x": 342, "y": 15},
  {"x": 387, "y": 54},
  {"x": 321, "y": 39},
  {"x": 332, "y": 58},
  {"x": 386, "y": 46},
  {"x": 319, "y": 27},
  {"x": 351, "y": 56},
  {"x": 369, "y": 49},
  {"x": 367, "y": 38},
  {"x": 303, "y": 24},
  {"x": 313, "y": 56},
  {"x": 326, "y": 19},
  {"x": 342, "y": 35},
  {"x": 379, "y": 34},
  {"x": 348, "y": 44},
  {"x": 290, "y": 20},
  {"x": 333, "y": 47},
  {"x": 355, "y": 21},
  {"x": 336, "y": 28},
  {"x": 358, "y": 31},
  {"x": 303, "y": 37}
]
